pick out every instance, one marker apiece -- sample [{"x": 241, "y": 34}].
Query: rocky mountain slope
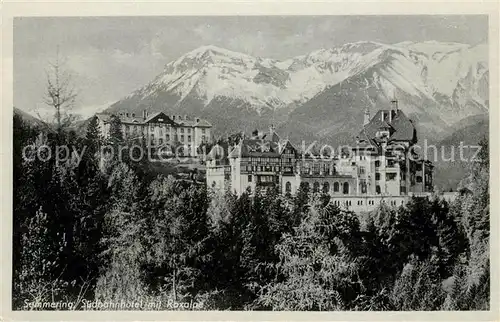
[
  {"x": 322, "y": 94},
  {"x": 451, "y": 168}
]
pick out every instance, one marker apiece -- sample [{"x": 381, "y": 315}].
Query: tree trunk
[{"x": 174, "y": 290}]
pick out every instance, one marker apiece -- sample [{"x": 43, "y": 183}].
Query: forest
[{"x": 94, "y": 230}]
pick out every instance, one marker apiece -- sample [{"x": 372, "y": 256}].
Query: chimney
[
  {"x": 144, "y": 114},
  {"x": 271, "y": 131},
  {"x": 173, "y": 117},
  {"x": 394, "y": 104},
  {"x": 366, "y": 117}
]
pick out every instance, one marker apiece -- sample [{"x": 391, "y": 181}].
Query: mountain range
[{"x": 322, "y": 95}]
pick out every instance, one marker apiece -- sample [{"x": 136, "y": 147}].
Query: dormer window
[
  {"x": 384, "y": 116},
  {"x": 382, "y": 134}
]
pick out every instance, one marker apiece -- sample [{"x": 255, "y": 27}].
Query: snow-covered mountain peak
[
  {"x": 211, "y": 50},
  {"x": 451, "y": 77}
]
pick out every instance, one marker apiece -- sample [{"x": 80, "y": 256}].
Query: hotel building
[
  {"x": 380, "y": 165},
  {"x": 161, "y": 130}
]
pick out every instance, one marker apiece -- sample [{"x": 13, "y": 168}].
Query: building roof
[
  {"x": 256, "y": 148},
  {"x": 400, "y": 127},
  {"x": 260, "y": 145},
  {"x": 158, "y": 117}
]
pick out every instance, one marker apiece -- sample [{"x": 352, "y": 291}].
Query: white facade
[
  {"x": 378, "y": 169},
  {"x": 183, "y": 135}
]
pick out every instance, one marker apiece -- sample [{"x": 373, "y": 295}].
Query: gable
[
  {"x": 160, "y": 118},
  {"x": 287, "y": 147},
  {"x": 401, "y": 128}
]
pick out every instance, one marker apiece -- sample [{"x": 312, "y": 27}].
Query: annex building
[
  {"x": 379, "y": 166},
  {"x": 161, "y": 130}
]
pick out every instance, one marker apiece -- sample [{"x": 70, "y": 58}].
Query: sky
[{"x": 109, "y": 57}]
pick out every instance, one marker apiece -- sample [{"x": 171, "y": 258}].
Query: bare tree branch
[{"x": 60, "y": 93}]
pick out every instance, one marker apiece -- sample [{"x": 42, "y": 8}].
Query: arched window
[
  {"x": 288, "y": 186},
  {"x": 316, "y": 187},
  {"x": 326, "y": 187},
  {"x": 305, "y": 186},
  {"x": 336, "y": 187},
  {"x": 345, "y": 188}
]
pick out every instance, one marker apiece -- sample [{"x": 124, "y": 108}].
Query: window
[
  {"x": 189, "y": 138},
  {"x": 305, "y": 186},
  {"x": 189, "y": 130},
  {"x": 377, "y": 163},
  {"x": 336, "y": 187},
  {"x": 316, "y": 168},
  {"x": 182, "y": 137},
  {"x": 418, "y": 167},
  {"x": 203, "y": 138},
  {"x": 326, "y": 187},
  {"x": 391, "y": 176},
  {"x": 160, "y": 131},
  {"x": 168, "y": 137},
  {"x": 345, "y": 188},
  {"x": 288, "y": 186},
  {"x": 361, "y": 170},
  {"x": 419, "y": 179},
  {"x": 316, "y": 187},
  {"x": 160, "y": 141},
  {"x": 377, "y": 176},
  {"x": 377, "y": 189},
  {"x": 249, "y": 178},
  {"x": 203, "y": 131},
  {"x": 182, "y": 130}
]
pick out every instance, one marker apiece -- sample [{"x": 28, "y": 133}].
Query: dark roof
[
  {"x": 155, "y": 117},
  {"x": 159, "y": 117},
  {"x": 262, "y": 145},
  {"x": 256, "y": 148},
  {"x": 400, "y": 126}
]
